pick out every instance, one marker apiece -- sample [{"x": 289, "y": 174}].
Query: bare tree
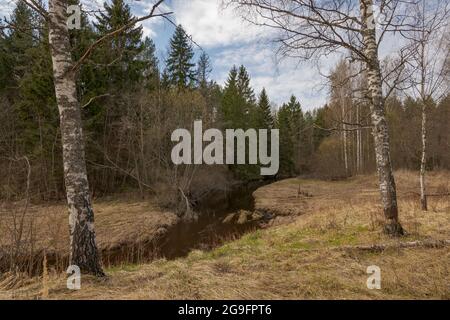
[
  {"x": 83, "y": 248},
  {"x": 306, "y": 29},
  {"x": 431, "y": 51}
]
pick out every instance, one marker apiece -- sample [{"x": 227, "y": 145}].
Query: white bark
[
  {"x": 83, "y": 248},
  {"x": 423, "y": 162},
  {"x": 380, "y": 128}
]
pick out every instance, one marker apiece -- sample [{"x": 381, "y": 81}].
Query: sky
[{"x": 228, "y": 40}]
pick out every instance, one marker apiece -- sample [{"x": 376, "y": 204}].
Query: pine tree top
[{"x": 180, "y": 67}]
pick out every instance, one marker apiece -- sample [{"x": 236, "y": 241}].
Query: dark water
[{"x": 209, "y": 231}]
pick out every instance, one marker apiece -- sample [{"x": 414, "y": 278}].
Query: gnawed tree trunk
[
  {"x": 83, "y": 248},
  {"x": 380, "y": 128}
]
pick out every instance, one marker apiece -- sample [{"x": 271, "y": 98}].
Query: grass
[
  {"x": 121, "y": 225},
  {"x": 295, "y": 260}
]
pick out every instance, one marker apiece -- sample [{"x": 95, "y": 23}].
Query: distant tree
[
  {"x": 297, "y": 127},
  {"x": 165, "y": 79},
  {"x": 231, "y": 112},
  {"x": 180, "y": 68},
  {"x": 204, "y": 70},
  {"x": 264, "y": 118},
  {"x": 238, "y": 111},
  {"x": 244, "y": 88},
  {"x": 341, "y": 103},
  {"x": 150, "y": 64},
  {"x": 283, "y": 123}
]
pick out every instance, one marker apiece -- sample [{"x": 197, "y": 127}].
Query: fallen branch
[
  {"x": 430, "y": 194},
  {"x": 433, "y": 244}
]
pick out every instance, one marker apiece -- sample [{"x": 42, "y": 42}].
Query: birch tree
[
  {"x": 306, "y": 29},
  {"x": 429, "y": 74},
  {"x": 83, "y": 248}
]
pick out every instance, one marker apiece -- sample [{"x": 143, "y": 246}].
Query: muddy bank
[{"x": 135, "y": 232}]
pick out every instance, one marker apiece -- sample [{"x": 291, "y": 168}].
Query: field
[{"x": 319, "y": 245}]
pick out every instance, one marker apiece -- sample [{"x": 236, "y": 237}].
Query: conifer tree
[
  {"x": 5, "y": 61},
  {"x": 239, "y": 112},
  {"x": 180, "y": 68},
  {"x": 286, "y": 144},
  {"x": 264, "y": 119},
  {"x": 297, "y": 126},
  {"x": 19, "y": 41},
  {"x": 231, "y": 114},
  {"x": 150, "y": 64},
  {"x": 120, "y": 54},
  {"x": 244, "y": 88}
]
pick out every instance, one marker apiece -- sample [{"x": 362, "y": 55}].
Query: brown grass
[
  {"x": 120, "y": 226},
  {"x": 295, "y": 260}
]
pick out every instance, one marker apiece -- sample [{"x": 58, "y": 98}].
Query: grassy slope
[
  {"x": 296, "y": 260},
  {"x": 118, "y": 222}
]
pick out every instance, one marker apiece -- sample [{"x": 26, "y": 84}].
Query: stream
[
  {"x": 209, "y": 231},
  {"x": 205, "y": 233}
]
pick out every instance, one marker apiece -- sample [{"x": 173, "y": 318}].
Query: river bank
[{"x": 333, "y": 235}]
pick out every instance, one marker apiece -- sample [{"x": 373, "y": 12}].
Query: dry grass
[
  {"x": 119, "y": 224},
  {"x": 295, "y": 260}
]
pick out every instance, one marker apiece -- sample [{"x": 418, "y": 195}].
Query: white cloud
[
  {"x": 6, "y": 7},
  {"x": 211, "y": 25},
  {"x": 280, "y": 78},
  {"x": 148, "y": 31}
]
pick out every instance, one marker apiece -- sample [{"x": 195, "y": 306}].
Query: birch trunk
[
  {"x": 358, "y": 144},
  {"x": 83, "y": 248},
  {"x": 344, "y": 134},
  {"x": 380, "y": 128},
  {"x": 423, "y": 162}
]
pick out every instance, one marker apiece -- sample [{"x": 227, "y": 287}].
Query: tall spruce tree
[
  {"x": 180, "y": 68},
  {"x": 283, "y": 123},
  {"x": 231, "y": 113},
  {"x": 238, "y": 111},
  {"x": 120, "y": 53},
  {"x": 244, "y": 88},
  {"x": 5, "y": 57},
  {"x": 296, "y": 127},
  {"x": 150, "y": 64},
  {"x": 264, "y": 118},
  {"x": 17, "y": 44}
]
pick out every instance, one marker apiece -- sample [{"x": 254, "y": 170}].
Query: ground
[
  {"x": 120, "y": 224},
  {"x": 314, "y": 249}
]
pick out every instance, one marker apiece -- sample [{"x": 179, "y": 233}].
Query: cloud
[
  {"x": 6, "y": 8},
  {"x": 280, "y": 78},
  {"x": 211, "y": 25}
]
